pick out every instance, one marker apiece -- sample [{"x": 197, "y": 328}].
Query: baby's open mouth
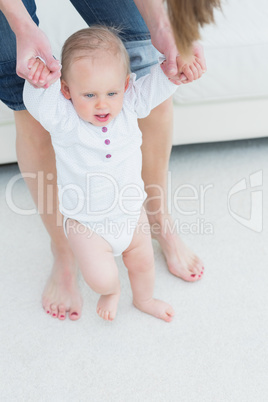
[{"x": 102, "y": 117}]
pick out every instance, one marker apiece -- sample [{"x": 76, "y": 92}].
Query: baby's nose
[{"x": 101, "y": 104}]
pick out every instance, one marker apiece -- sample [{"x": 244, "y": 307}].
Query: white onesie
[{"x": 99, "y": 168}]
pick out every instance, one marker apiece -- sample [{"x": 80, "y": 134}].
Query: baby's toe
[
  {"x": 112, "y": 315},
  {"x": 168, "y": 314},
  {"x": 105, "y": 314}
]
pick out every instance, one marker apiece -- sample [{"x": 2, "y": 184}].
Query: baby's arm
[
  {"x": 48, "y": 106},
  {"x": 149, "y": 91}
]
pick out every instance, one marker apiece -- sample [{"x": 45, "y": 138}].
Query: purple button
[
  {"x": 104, "y": 129},
  {"x": 108, "y": 156},
  {"x": 107, "y": 142}
]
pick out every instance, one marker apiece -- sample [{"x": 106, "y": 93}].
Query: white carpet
[{"x": 216, "y": 347}]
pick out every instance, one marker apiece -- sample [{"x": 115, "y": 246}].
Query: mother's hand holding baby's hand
[
  {"x": 188, "y": 68},
  {"x": 31, "y": 44},
  {"x": 38, "y": 72}
]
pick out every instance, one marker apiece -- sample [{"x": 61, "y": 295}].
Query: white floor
[{"x": 216, "y": 348}]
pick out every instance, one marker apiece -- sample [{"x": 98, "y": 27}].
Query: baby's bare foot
[
  {"x": 157, "y": 308},
  {"x": 107, "y": 306},
  {"x": 61, "y": 294}
]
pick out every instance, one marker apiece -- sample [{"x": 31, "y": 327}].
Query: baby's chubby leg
[
  {"x": 139, "y": 260},
  {"x": 97, "y": 264}
]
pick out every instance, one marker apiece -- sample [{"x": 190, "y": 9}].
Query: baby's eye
[
  {"x": 111, "y": 93},
  {"x": 89, "y": 95}
]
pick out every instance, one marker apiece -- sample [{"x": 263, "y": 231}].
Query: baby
[{"x": 91, "y": 114}]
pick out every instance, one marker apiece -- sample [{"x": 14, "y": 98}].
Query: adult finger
[
  {"x": 170, "y": 67},
  {"x": 43, "y": 77},
  {"x": 52, "y": 64},
  {"x": 51, "y": 78},
  {"x": 183, "y": 78},
  {"x": 175, "y": 81}
]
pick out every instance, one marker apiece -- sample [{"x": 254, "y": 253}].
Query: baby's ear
[
  {"x": 65, "y": 90},
  {"x": 127, "y": 82}
]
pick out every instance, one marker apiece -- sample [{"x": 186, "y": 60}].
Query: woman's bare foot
[
  {"x": 61, "y": 293},
  {"x": 157, "y": 308},
  {"x": 181, "y": 261},
  {"x": 107, "y": 306}
]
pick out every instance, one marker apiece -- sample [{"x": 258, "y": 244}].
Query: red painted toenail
[
  {"x": 74, "y": 314},
  {"x": 54, "y": 315},
  {"x": 62, "y": 316},
  {"x": 47, "y": 312},
  {"x": 193, "y": 275}
]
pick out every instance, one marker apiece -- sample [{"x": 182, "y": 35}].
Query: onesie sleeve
[
  {"x": 149, "y": 91},
  {"x": 50, "y": 108}
]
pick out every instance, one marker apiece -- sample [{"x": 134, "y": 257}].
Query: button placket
[{"x": 106, "y": 142}]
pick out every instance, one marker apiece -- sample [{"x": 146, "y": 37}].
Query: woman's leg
[
  {"x": 157, "y": 142},
  {"x": 139, "y": 260},
  {"x": 97, "y": 264},
  {"x": 36, "y": 155}
]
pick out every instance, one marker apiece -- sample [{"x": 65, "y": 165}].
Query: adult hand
[
  {"x": 195, "y": 65},
  {"x": 30, "y": 44},
  {"x": 192, "y": 67},
  {"x": 177, "y": 68},
  {"x": 163, "y": 40}
]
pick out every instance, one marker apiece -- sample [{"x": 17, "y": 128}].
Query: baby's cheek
[
  {"x": 119, "y": 106},
  {"x": 84, "y": 110}
]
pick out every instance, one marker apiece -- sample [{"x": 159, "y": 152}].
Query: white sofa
[{"x": 229, "y": 102}]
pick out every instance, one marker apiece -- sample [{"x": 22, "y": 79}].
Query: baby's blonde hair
[{"x": 85, "y": 42}]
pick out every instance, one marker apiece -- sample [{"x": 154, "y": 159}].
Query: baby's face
[{"x": 96, "y": 87}]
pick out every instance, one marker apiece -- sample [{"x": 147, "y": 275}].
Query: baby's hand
[
  {"x": 190, "y": 69},
  {"x": 38, "y": 72}
]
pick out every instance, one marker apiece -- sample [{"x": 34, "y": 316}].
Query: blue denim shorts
[{"x": 117, "y": 13}]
